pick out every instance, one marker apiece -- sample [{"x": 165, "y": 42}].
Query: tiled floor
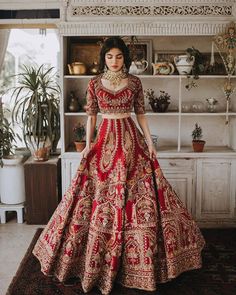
[{"x": 14, "y": 241}]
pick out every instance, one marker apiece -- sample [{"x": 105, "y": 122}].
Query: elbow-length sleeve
[
  {"x": 91, "y": 106},
  {"x": 139, "y": 105}
]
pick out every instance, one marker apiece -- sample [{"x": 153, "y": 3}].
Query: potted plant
[
  {"x": 79, "y": 136},
  {"x": 36, "y": 107},
  {"x": 159, "y": 103},
  {"x": 197, "y": 143},
  {"x": 7, "y": 136},
  {"x": 10, "y": 164}
]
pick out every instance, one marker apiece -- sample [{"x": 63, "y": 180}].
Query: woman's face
[{"x": 114, "y": 59}]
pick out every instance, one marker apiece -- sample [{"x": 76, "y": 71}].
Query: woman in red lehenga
[{"x": 120, "y": 220}]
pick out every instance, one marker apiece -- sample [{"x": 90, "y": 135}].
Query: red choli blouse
[{"x": 99, "y": 98}]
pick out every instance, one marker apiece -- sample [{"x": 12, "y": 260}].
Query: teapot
[
  {"x": 77, "y": 68},
  {"x": 138, "y": 67},
  {"x": 163, "y": 68}
]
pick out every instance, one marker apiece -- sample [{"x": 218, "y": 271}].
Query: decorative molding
[
  {"x": 161, "y": 28},
  {"x": 234, "y": 10},
  {"x": 147, "y": 2},
  {"x": 147, "y": 17},
  {"x": 151, "y": 11}
]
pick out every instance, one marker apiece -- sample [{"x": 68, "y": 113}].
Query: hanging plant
[{"x": 197, "y": 69}]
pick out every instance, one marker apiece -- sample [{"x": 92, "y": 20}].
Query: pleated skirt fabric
[{"x": 120, "y": 220}]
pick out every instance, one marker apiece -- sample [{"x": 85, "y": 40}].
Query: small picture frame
[
  {"x": 141, "y": 49},
  {"x": 166, "y": 56}
]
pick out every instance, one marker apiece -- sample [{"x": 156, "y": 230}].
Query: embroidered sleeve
[
  {"x": 92, "y": 105},
  {"x": 139, "y": 105}
]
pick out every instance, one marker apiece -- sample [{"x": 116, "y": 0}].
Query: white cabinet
[
  {"x": 182, "y": 183},
  {"x": 70, "y": 164},
  {"x": 215, "y": 191},
  {"x": 181, "y": 174}
]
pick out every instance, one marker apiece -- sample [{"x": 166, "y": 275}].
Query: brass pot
[
  {"x": 94, "y": 68},
  {"x": 77, "y": 68}
]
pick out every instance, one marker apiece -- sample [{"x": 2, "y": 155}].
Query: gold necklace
[{"x": 115, "y": 78}]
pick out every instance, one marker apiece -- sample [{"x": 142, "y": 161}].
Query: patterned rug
[{"x": 217, "y": 277}]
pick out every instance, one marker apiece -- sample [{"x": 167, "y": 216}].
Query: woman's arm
[
  {"x": 142, "y": 121},
  {"x": 90, "y": 127}
]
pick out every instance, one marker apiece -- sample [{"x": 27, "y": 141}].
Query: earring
[
  {"x": 124, "y": 69},
  {"x": 105, "y": 69}
]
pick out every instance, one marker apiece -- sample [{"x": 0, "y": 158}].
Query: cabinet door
[
  {"x": 42, "y": 189},
  {"x": 183, "y": 186},
  {"x": 215, "y": 190},
  {"x": 69, "y": 168}
]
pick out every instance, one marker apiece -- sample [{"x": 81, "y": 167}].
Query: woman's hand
[
  {"x": 85, "y": 151},
  {"x": 152, "y": 151}
]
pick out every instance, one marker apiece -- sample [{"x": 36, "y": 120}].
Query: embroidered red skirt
[{"x": 120, "y": 219}]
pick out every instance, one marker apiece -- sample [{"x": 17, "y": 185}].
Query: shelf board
[
  {"x": 160, "y": 113},
  {"x": 209, "y": 76},
  {"x": 132, "y": 113},
  {"x": 159, "y": 76},
  {"x": 156, "y": 76},
  {"x": 149, "y": 113},
  {"x": 78, "y": 76},
  {"x": 187, "y": 152},
  {"x": 71, "y": 114},
  {"x": 172, "y": 152},
  {"x": 209, "y": 114}
]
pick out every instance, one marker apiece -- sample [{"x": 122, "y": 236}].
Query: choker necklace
[{"x": 115, "y": 78}]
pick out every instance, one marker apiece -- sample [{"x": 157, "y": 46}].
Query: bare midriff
[{"x": 116, "y": 115}]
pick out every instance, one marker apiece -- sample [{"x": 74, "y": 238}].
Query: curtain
[{"x": 4, "y": 36}]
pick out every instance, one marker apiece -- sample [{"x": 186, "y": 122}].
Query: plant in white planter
[{"x": 11, "y": 165}]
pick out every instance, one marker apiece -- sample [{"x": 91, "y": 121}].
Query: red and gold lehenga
[{"x": 120, "y": 219}]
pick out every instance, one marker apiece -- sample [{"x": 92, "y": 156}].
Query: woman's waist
[{"x": 116, "y": 115}]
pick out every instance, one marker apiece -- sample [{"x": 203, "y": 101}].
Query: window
[{"x": 27, "y": 47}]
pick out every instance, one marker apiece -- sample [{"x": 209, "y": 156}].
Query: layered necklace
[{"x": 115, "y": 78}]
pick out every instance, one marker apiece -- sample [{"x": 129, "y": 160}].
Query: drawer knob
[{"x": 172, "y": 164}]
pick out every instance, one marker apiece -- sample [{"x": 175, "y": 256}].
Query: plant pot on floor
[
  {"x": 80, "y": 145},
  {"x": 198, "y": 145},
  {"x": 12, "y": 171}
]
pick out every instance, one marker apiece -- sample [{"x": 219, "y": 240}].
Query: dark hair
[{"x": 114, "y": 42}]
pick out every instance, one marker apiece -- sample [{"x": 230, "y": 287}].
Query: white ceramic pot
[
  {"x": 138, "y": 67},
  {"x": 184, "y": 64},
  {"x": 12, "y": 181}
]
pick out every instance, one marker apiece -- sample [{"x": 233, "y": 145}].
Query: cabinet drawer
[{"x": 178, "y": 164}]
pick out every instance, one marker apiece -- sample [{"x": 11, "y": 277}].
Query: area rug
[{"x": 217, "y": 276}]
